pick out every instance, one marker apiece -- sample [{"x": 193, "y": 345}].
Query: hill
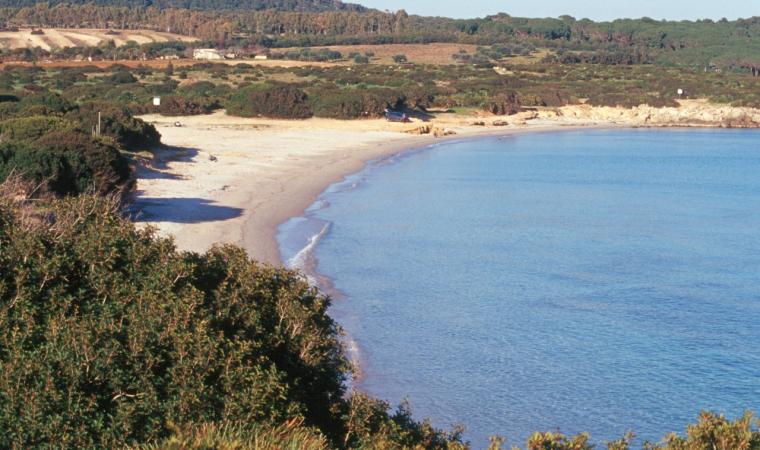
[
  {"x": 54, "y": 39},
  {"x": 733, "y": 45}
]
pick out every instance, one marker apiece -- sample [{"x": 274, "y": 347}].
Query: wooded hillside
[
  {"x": 210, "y": 5},
  {"x": 290, "y": 23}
]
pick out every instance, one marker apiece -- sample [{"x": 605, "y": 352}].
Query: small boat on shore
[{"x": 395, "y": 116}]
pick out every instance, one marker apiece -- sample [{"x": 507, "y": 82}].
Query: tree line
[
  {"x": 732, "y": 43},
  {"x": 211, "y": 5}
]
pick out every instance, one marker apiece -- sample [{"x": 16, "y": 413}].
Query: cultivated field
[
  {"x": 54, "y": 38},
  {"x": 415, "y": 53}
]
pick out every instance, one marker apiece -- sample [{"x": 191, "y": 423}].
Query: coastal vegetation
[
  {"x": 58, "y": 145},
  {"x": 51, "y": 135},
  {"x": 112, "y": 337},
  {"x": 346, "y": 91}
]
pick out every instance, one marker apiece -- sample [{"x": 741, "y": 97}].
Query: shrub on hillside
[
  {"x": 32, "y": 128},
  {"x": 355, "y": 103},
  {"x": 122, "y": 77},
  {"x": 8, "y": 110},
  {"x": 420, "y": 96},
  {"x": 243, "y": 436},
  {"x": 45, "y": 102},
  {"x": 400, "y": 59},
  {"x": 66, "y": 162},
  {"x": 113, "y": 336},
  {"x": 264, "y": 100},
  {"x": 130, "y": 132},
  {"x": 180, "y": 106}
]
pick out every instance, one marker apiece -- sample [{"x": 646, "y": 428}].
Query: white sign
[
  {"x": 156, "y": 101},
  {"x": 680, "y": 92}
]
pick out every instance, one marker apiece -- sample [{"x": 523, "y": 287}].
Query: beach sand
[{"x": 226, "y": 179}]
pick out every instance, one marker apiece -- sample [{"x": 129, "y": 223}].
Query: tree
[
  {"x": 278, "y": 101},
  {"x": 399, "y": 59}
]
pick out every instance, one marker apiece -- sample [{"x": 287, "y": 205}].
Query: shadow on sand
[
  {"x": 158, "y": 167},
  {"x": 420, "y": 115},
  {"x": 180, "y": 210},
  {"x": 149, "y": 173}
]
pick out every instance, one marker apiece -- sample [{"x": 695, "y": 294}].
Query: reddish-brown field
[
  {"x": 436, "y": 53},
  {"x": 415, "y": 53}
]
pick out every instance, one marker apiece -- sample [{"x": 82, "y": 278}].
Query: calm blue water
[{"x": 595, "y": 281}]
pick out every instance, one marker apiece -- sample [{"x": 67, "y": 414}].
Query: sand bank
[{"x": 233, "y": 180}]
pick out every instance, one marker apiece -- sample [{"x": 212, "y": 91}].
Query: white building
[{"x": 207, "y": 54}]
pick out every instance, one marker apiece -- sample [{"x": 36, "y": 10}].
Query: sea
[{"x": 599, "y": 281}]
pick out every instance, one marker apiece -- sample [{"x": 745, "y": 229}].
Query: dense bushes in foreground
[
  {"x": 109, "y": 337},
  {"x": 116, "y": 335}
]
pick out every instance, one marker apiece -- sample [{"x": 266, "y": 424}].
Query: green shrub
[
  {"x": 66, "y": 162},
  {"x": 126, "y": 336},
  {"x": 130, "y": 132},
  {"x": 355, "y": 103},
  {"x": 263, "y": 100},
  {"x": 8, "y": 110},
  {"x": 175, "y": 105},
  {"x": 361, "y": 59},
  {"x": 49, "y": 102},
  {"x": 32, "y": 128},
  {"x": 122, "y": 77}
]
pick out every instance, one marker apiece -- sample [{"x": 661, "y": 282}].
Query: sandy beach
[
  {"x": 223, "y": 179},
  {"x": 226, "y": 179}
]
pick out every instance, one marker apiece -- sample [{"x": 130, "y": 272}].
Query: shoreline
[
  {"x": 247, "y": 195},
  {"x": 308, "y": 263},
  {"x": 265, "y": 229},
  {"x": 223, "y": 179}
]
